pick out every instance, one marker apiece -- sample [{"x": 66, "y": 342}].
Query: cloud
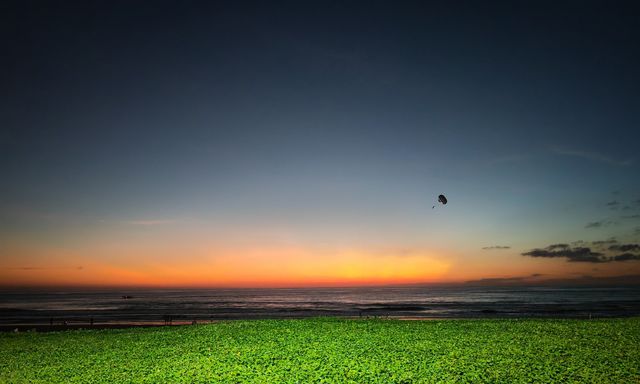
[
  {"x": 625, "y": 206},
  {"x": 515, "y": 280},
  {"x": 497, "y": 247},
  {"x": 594, "y": 156},
  {"x": 599, "y": 224},
  {"x": 576, "y": 254},
  {"x": 496, "y": 280},
  {"x": 626, "y": 257},
  {"x": 631, "y": 217},
  {"x": 614, "y": 205},
  {"x": 584, "y": 254},
  {"x": 625, "y": 248},
  {"x": 583, "y": 280},
  {"x": 604, "y": 242},
  {"x": 150, "y": 222},
  {"x": 557, "y": 246}
]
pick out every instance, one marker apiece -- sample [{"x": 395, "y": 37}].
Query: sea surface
[{"x": 187, "y": 305}]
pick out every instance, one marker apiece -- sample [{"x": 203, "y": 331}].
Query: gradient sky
[{"x": 304, "y": 143}]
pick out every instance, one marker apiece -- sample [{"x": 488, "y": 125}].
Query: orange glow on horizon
[
  {"x": 173, "y": 264},
  {"x": 219, "y": 267}
]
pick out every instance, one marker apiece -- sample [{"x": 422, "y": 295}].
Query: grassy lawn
[{"x": 332, "y": 350}]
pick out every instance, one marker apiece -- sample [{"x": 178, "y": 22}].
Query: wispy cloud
[
  {"x": 553, "y": 247},
  {"x": 624, "y": 205},
  {"x": 583, "y": 280},
  {"x": 599, "y": 224},
  {"x": 594, "y": 156},
  {"x": 615, "y": 204},
  {"x": 514, "y": 280},
  {"x": 497, "y": 247},
  {"x": 150, "y": 222},
  {"x": 599, "y": 243}
]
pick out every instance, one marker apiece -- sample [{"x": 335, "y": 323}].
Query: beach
[{"x": 73, "y": 309}]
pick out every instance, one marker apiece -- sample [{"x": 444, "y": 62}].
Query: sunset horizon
[
  {"x": 320, "y": 191},
  {"x": 225, "y": 145}
]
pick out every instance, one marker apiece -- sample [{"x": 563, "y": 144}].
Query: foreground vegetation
[{"x": 332, "y": 350}]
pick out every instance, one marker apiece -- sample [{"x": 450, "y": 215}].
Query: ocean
[{"x": 141, "y": 306}]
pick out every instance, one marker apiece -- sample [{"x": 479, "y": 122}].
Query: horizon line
[{"x": 609, "y": 281}]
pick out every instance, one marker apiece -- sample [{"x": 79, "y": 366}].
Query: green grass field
[{"x": 332, "y": 351}]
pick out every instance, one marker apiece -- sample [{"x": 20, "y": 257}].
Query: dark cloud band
[{"x": 584, "y": 254}]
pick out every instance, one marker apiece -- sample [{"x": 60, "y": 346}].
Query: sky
[{"x": 237, "y": 144}]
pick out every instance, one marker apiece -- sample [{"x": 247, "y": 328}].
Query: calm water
[{"x": 109, "y": 306}]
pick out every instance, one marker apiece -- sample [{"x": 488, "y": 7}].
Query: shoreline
[{"x": 73, "y": 326}]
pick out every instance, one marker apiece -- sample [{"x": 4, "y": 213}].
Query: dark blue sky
[{"x": 322, "y": 123}]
